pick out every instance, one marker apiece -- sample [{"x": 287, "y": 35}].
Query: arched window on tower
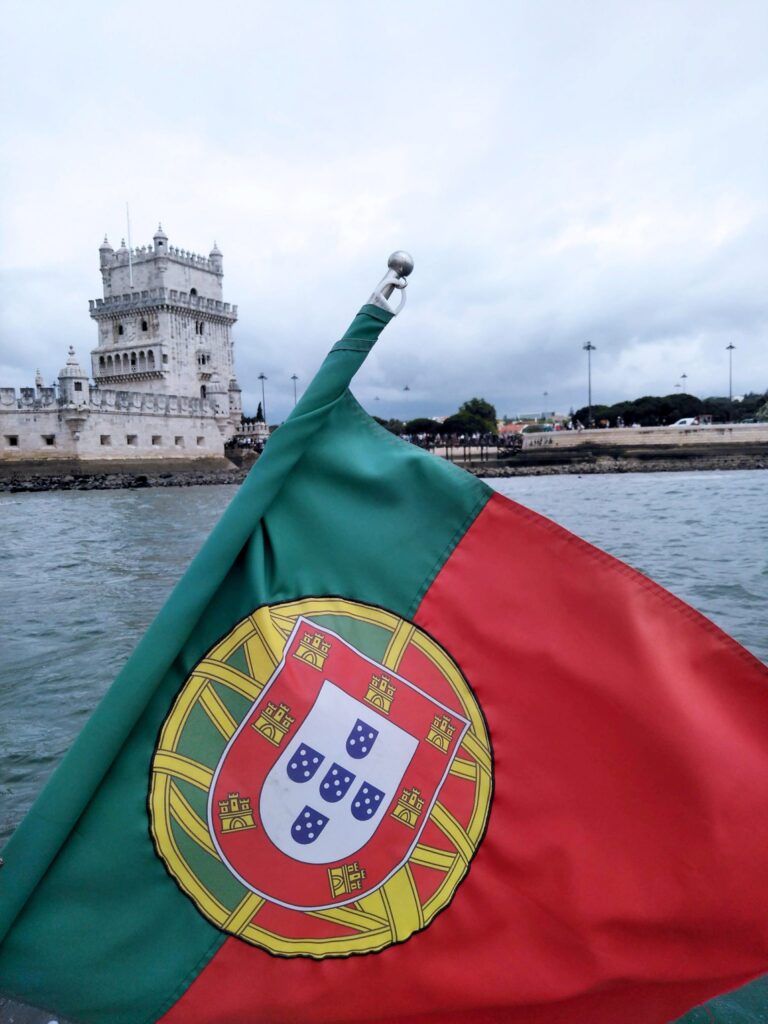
[
  {"x": 142, "y": 360},
  {"x": 144, "y": 325},
  {"x": 120, "y": 329},
  {"x": 133, "y": 359},
  {"x": 193, "y": 291},
  {"x": 203, "y": 392},
  {"x": 151, "y": 359}
]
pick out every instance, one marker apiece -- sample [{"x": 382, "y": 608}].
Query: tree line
[
  {"x": 475, "y": 416},
  {"x": 660, "y": 410}
]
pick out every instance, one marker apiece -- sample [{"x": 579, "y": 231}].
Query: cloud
[{"x": 560, "y": 173}]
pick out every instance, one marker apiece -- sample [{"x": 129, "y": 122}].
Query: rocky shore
[
  {"x": 609, "y": 464},
  {"x": 21, "y": 481}
]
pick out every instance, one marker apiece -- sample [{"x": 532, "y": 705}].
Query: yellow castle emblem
[
  {"x": 274, "y": 722},
  {"x": 346, "y": 879},
  {"x": 441, "y": 733},
  {"x": 235, "y": 813},
  {"x": 313, "y": 649},
  {"x": 409, "y": 807},
  {"x": 380, "y": 693}
]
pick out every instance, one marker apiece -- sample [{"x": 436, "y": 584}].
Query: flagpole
[{"x": 400, "y": 266}]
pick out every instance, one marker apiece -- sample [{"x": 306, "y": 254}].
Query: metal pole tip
[{"x": 401, "y": 262}]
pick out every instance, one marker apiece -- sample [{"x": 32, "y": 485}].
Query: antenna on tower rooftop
[{"x": 130, "y": 263}]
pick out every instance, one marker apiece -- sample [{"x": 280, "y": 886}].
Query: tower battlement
[
  {"x": 115, "y": 304},
  {"x": 143, "y": 253}
]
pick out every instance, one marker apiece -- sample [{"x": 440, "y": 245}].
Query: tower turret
[
  {"x": 235, "y": 403},
  {"x": 73, "y": 382},
  {"x": 161, "y": 241},
  {"x": 106, "y": 252},
  {"x": 216, "y": 259},
  {"x": 217, "y": 392}
]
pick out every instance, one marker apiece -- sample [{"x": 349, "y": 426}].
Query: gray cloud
[{"x": 560, "y": 172}]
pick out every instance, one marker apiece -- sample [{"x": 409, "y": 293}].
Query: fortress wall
[{"x": 119, "y": 436}]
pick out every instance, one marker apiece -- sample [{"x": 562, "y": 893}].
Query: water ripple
[{"x": 84, "y": 573}]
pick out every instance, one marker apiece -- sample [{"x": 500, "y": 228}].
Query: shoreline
[
  {"x": 610, "y": 464},
  {"x": 124, "y": 479}
]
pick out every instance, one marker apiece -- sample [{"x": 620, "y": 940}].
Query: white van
[{"x": 689, "y": 421}]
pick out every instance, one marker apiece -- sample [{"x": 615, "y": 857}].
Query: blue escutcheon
[
  {"x": 361, "y": 738},
  {"x": 304, "y": 763},
  {"x": 336, "y": 783},
  {"x": 366, "y": 802},
  {"x": 308, "y": 826}
]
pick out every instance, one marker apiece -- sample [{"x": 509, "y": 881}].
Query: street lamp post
[
  {"x": 262, "y": 377},
  {"x": 544, "y": 411},
  {"x": 589, "y": 348},
  {"x": 729, "y": 349},
  {"x": 294, "y": 378},
  {"x": 684, "y": 379}
]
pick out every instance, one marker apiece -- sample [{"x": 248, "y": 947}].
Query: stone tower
[{"x": 163, "y": 327}]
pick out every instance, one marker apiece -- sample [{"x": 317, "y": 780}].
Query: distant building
[{"x": 164, "y": 382}]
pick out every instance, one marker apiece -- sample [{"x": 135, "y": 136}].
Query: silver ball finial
[{"x": 401, "y": 262}]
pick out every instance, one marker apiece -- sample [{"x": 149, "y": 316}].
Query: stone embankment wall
[
  {"x": 659, "y": 437},
  {"x": 629, "y": 450}
]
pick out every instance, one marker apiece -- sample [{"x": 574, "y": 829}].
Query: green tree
[
  {"x": 749, "y": 406},
  {"x": 483, "y": 411},
  {"x": 598, "y": 413},
  {"x": 466, "y": 423},
  {"x": 422, "y": 425},
  {"x": 393, "y": 426}
]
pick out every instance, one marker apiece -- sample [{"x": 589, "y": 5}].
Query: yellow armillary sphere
[{"x": 323, "y": 779}]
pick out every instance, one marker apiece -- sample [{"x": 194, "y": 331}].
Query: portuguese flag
[{"x": 399, "y": 749}]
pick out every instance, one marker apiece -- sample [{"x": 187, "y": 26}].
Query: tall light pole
[
  {"x": 684, "y": 379},
  {"x": 729, "y": 349},
  {"x": 262, "y": 377},
  {"x": 544, "y": 411},
  {"x": 294, "y": 378},
  {"x": 589, "y": 348}
]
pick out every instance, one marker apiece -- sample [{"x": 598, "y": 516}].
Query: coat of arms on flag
[{"x": 323, "y": 779}]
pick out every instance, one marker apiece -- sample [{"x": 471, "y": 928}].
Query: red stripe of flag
[{"x": 623, "y": 875}]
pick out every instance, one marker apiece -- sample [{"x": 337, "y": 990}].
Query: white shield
[{"x": 326, "y": 728}]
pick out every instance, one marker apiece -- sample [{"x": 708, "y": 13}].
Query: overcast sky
[{"x": 560, "y": 171}]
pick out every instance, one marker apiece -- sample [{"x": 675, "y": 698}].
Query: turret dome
[
  {"x": 73, "y": 369},
  {"x": 216, "y": 385}
]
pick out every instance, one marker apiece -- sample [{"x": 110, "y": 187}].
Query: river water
[{"x": 85, "y": 572}]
